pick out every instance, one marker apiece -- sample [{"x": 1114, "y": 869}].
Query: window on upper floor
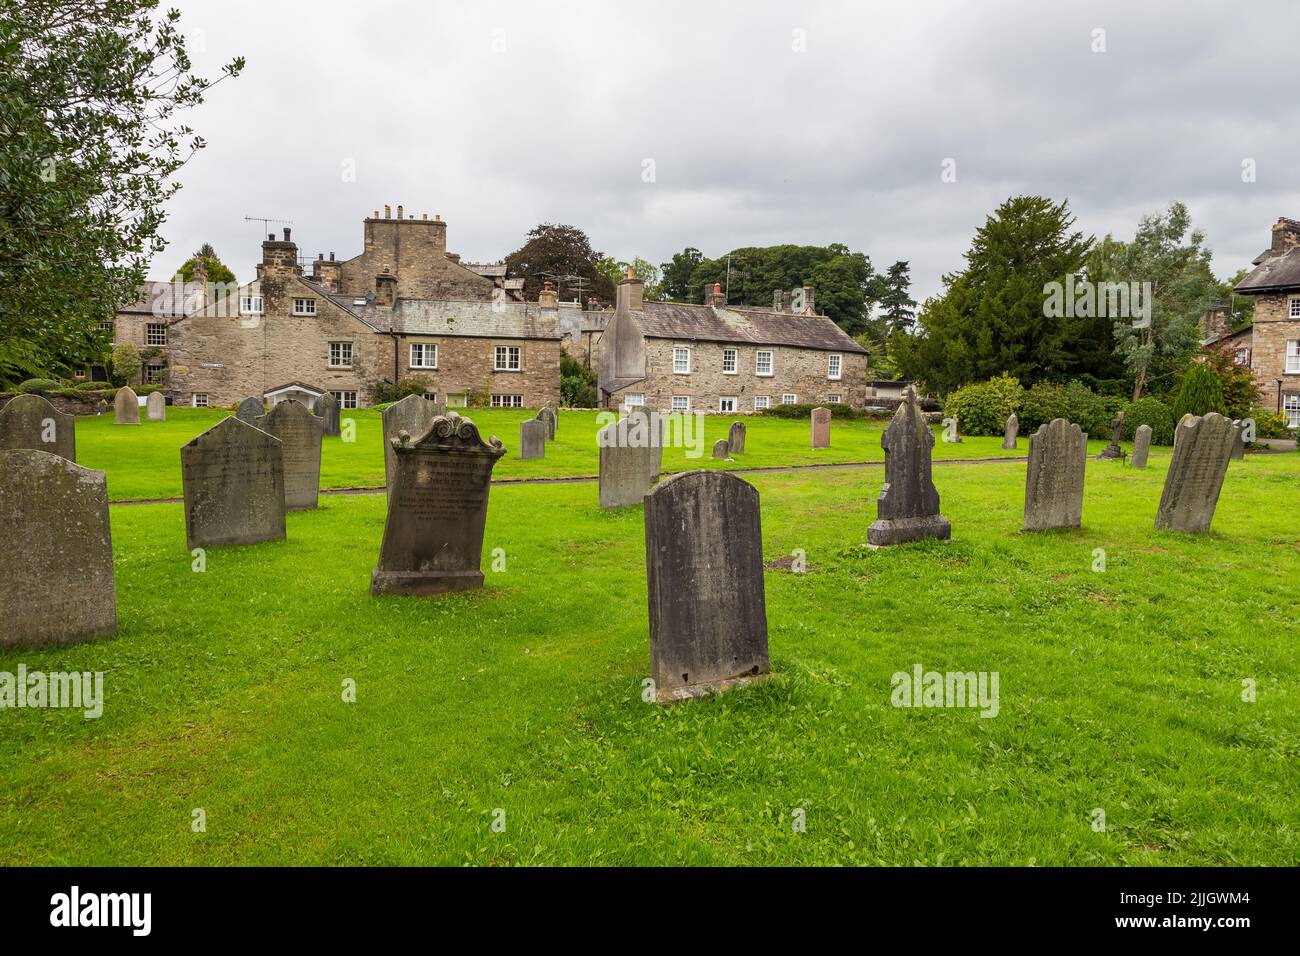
[
  {"x": 763, "y": 362},
  {"x": 506, "y": 358},
  {"x": 729, "y": 361},
  {"x": 304, "y": 306},
  {"x": 250, "y": 305},
  {"x": 681, "y": 360},
  {"x": 424, "y": 355},
  {"x": 155, "y": 333},
  {"x": 1293, "y": 308},
  {"x": 1292, "y": 356},
  {"x": 834, "y": 366},
  {"x": 340, "y": 355}
]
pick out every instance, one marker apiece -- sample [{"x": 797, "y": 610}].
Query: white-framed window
[
  {"x": 727, "y": 404},
  {"x": 304, "y": 306},
  {"x": 424, "y": 355},
  {"x": 833, "y": 399},
  {"x": 1293, "y": 308},
  {"x": 153, "y": 373},
  {"x": 200, "y": 399},
  {"x": 763, "y": 362},
  {"x": 834, "y": 365},
  {"x": 1292, "y": 356},
  {"x": 250, "y": 305},
  {"x": 761, "y": 402},
  {"x": 634, "y": 400},
  {"x": 506, "y": 358},
  {"x": 729, "y": 361},
  {"x": 1243, "y": 356},
  {"x": 155, "y": 333},
  {"x": 340, "y": 355},
  {"x": 345, "y": 399},
  {"x": 507, "y": 401},
  {"x": 1291, "y": 409},
  {"x": 106, "y": 325},
  {"x": 681, "y": 403},
  {"x": 789, "y": 398},
  {"x": 681, "y": 360}
]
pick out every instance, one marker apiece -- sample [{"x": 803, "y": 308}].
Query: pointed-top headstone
[
  {"x": 250, "y": 410},
  {"x": 30, "y": 421},
  {"x": 126, "y": 406},
  {"x": 233, "y": 478},
  {"x": 908, "y": 506},
  {"x": 327, "y": 408},
  {"x": 1195, "y": 477},
  {"x": 300, "y": 435},
  {"x": 155, "y": 407}
]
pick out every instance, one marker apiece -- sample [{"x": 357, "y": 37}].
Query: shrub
[
  {"x": 1269, "y": 424},
  {"x": 386, "y": 392},
  {"x": 804, "y": 410},
  {"x": 35, "y": 385},
  {"x": 1074, "y": 402},
  {"x": 125, "y": 363},
  {"x": 577, "y": 383},
  {"x": 1201, "y": 392},
  {"x": 1240, "y": 393},
  {"x": 1149, "y": 410},
  {"x": 983, "y": 408}
]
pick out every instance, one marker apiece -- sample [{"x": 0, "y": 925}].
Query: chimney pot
[
  {"x": 270, "y": 237},
  {"x": 376, "y": 215},
  {"x": 424, "y": 215},
  {"x": 286, "y": 233},
  {"x": 399, "y": 210},
  {"x": 388, "y": 211},
  {"x": 331, "y": 257}
]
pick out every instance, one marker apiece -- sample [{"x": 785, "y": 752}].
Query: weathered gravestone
[
  {"x": 721, "y": 449},
  {"x": 1113, "y": 450},
  {"x": 1054, "y": 483},
  {"x": 437, "y": 509},
  {"x": 1238, "y": 441},
  {"x": 250, "y": 410},
  {"x": 1141, "y": 446},
  {"x": 532, "y": 438},
  {"x": 57, "y": 559},
  {"x": 546, "y": 415},
  {"x": 704, "y": 576},
  {"x": 821, "y": 428},
  {"x": 155, "y": 407},
  {"x": 631, "y": 452},
  {"x": 126, "y": 407},
  {"x": 1200, "y": 460},
  {"x": 300, "y": 434},
  {"x": 233, "y": 476},
  {"x": 908, "y": 506},
  {"x": 327, "y": 407},
  {"x": 736, "y": 438},
  {"x": 950, "y": 433},
  {"x": 414, "y": 415},
  {"x": 1012, "y": 432},
  {"x": 29, "y": 421}
]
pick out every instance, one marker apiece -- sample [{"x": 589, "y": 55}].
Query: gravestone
[
  {"x": 821, "y": 428},
  {"x": 1113, "y": 450},
  {"x": 250, "y": 410},
  {"x": 532, "y": 438},
  {"x": 546, "y": 415},
  {"x": 437, "y": 509},
  {"x": 126, "y": 407},
  {"x": 908, "y": 506},
  {"x": 327, "y": 407},
  {"x": 155, "y": 407},
  {"x": 704, "y": 576},
  {"x": 950, "y": 433},
  {"x": 233, "y": 476},
  {"x": 30, "y": 421},
  {"x": 57, "y": 559},
  {"x": 1195, "y": 477},
  {"x": 414, "y": 415},
  {"x": 631, "y": 452},
  {"x": 1141, "y": 446},
  {"x": 1054, "y": 482},
  {"x": 736, "y": 438},
  {"x": 721, "y": 449},
  {"x": 1238, "y": 441},
  {"x": 1012, "y": 432},
  {"x": 300, "y": 434}
]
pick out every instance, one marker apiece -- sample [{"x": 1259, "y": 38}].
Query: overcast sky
[{"x": 766, "y": 122}]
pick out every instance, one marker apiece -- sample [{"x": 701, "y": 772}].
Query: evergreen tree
[
  {"x": 897, "y": 306},
  {"x": 1201, "y": 392}
]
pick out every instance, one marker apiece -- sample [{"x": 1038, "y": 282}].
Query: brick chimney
[
  {"x": 1286, "y": 233},
  {"x": 716, "y": 298},
  {"x": 631, "y": 293},
  {"x": 547, "y": 298}
]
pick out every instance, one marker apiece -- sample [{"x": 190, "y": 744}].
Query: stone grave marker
[
  {"x": 1238, "y": 441},
  {"x": 30, "y": 421},
  {"x": 300, "y": 433},
  {"x": 250, "y": 410},
  {"x": 437, "y": 509},
  {"x": 908, "y": 506},
  {"x": 1113, "y": 450},
  {"x": 414, "y": 415},
  {"x": 631, "y": 453},
  {"x": 1054, "y": 481},
  {"x": 547, "y": 416},
  {"x": 1012, "y": 432},
  {"x": 721, "y": 449},
  {"x": 1202, "y": 445},
  {"x": 821, "y": 428},
  {"x": 704, "y": 576},
  {"x": 57, "y": 559},
  {"x": 532, "y": 438},
  {"x": 155, "y": 407},
  {"x": 736, "y": 438},
  {"x": 327, "y": 407},
  {"x": 233, "y": 476},
  {"x": 126, "y": 406},
  {"x": 1141, "y": 446}
]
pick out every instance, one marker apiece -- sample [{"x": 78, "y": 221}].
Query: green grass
[
  {"x": 145, "y": 461},
  {"x": 1120, "y": 690}
]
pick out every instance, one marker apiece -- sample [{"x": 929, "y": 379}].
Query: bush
[
  {"x": 386, "y": 392},
  {"x": 1240, "y": 393},
  {"x": 125, "y": 363},
  {"x": 1149, "y": 410},
  {"x": 34, "y": 385},
  {"x": 1269, "y": 424},
  {"x": 1074, "y": 402},
  {"x": 983, "y": 408},
  {"x": 577, "y": 383},
  {"x": 1201, "y": 392},
  {"x": 803, "y": 410}
]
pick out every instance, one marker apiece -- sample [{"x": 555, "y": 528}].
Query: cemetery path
[{"x": 579, "y": 479}]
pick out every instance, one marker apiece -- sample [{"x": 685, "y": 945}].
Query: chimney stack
[
  {"x": 1215, "y": 321},
  {"x": 717, "y": 298},
  {"x": 809, "y": 301},
  {"x": 778, "y": 299},
  {"x": 631, "y": 293},
  {"x": 388, "y": 211},
  {"x": 399, "y": 211},
  {"x": 547, "y": 298},
  {"x": 286, "y": 234},
  {"x": 1286, "y": 233}
]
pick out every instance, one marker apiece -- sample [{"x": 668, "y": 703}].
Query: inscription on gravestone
[
  {"x": 1195, "y": 477},
  {"x": 29, "y": 421},
  {"x": 233, "y": 478},
  {"x": 126, "y": 407},
  {"x": 1054, "y": 481},
  {"x": 300, "y": 434},
  {"x": 821, "y": 428},
  {"x": 908, "y": 506}
]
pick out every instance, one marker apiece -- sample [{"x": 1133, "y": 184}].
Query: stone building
[{"x": 718, "y": 358}]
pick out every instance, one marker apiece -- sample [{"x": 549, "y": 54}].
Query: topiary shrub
[
  {"x": 34, "y": 386},
  {"x": 1149, "y": 410},
  {"x": 1201, "y": 392},
  {"x": 983, "y": 408}
]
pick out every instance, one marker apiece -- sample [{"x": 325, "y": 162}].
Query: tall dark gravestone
[
  {"x": 1141, "y": 446},
  {"x": 736, "y": 438},
  {"x": 300, "y": 434},
  {"x": 233, "y": 478},
  {"x": 908, "y": 506},
  {"x": 1058, "y": 452},
  {"x": 437, "y": 510},
  {"x": 327, "y": 407},
  {"x": 547, "y": 416},
  {"x": 29, "y": 421},
  {"x": 1113, "y": 450},
  {"x": 704, "y": 578},
  {"x": 414, "y": 415},
  {"x": 57, "y": 561},
  {"x": 1202, "y": 446}
]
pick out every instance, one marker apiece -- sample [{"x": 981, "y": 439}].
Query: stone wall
[
  {"x": 91, "y": 404},
  {"x": 414, "y": 250},
  {"x": 1269, "y": 336},
  {"x": 467, "y": 364}
]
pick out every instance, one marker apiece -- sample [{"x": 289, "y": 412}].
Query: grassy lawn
[
  {"x": 145, "y": 462},
  {"x": 1120, "y": 690}
]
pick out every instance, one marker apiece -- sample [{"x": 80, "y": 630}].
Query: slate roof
[
  {"x": 165, "y": 300},
  {"x": 492, "y": 320},
  {"x": 1273, "y": 273},
  {"x": 674, "y": 320}
]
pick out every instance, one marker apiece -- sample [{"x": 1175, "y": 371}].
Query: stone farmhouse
[{"x": 718, "y": 358}]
